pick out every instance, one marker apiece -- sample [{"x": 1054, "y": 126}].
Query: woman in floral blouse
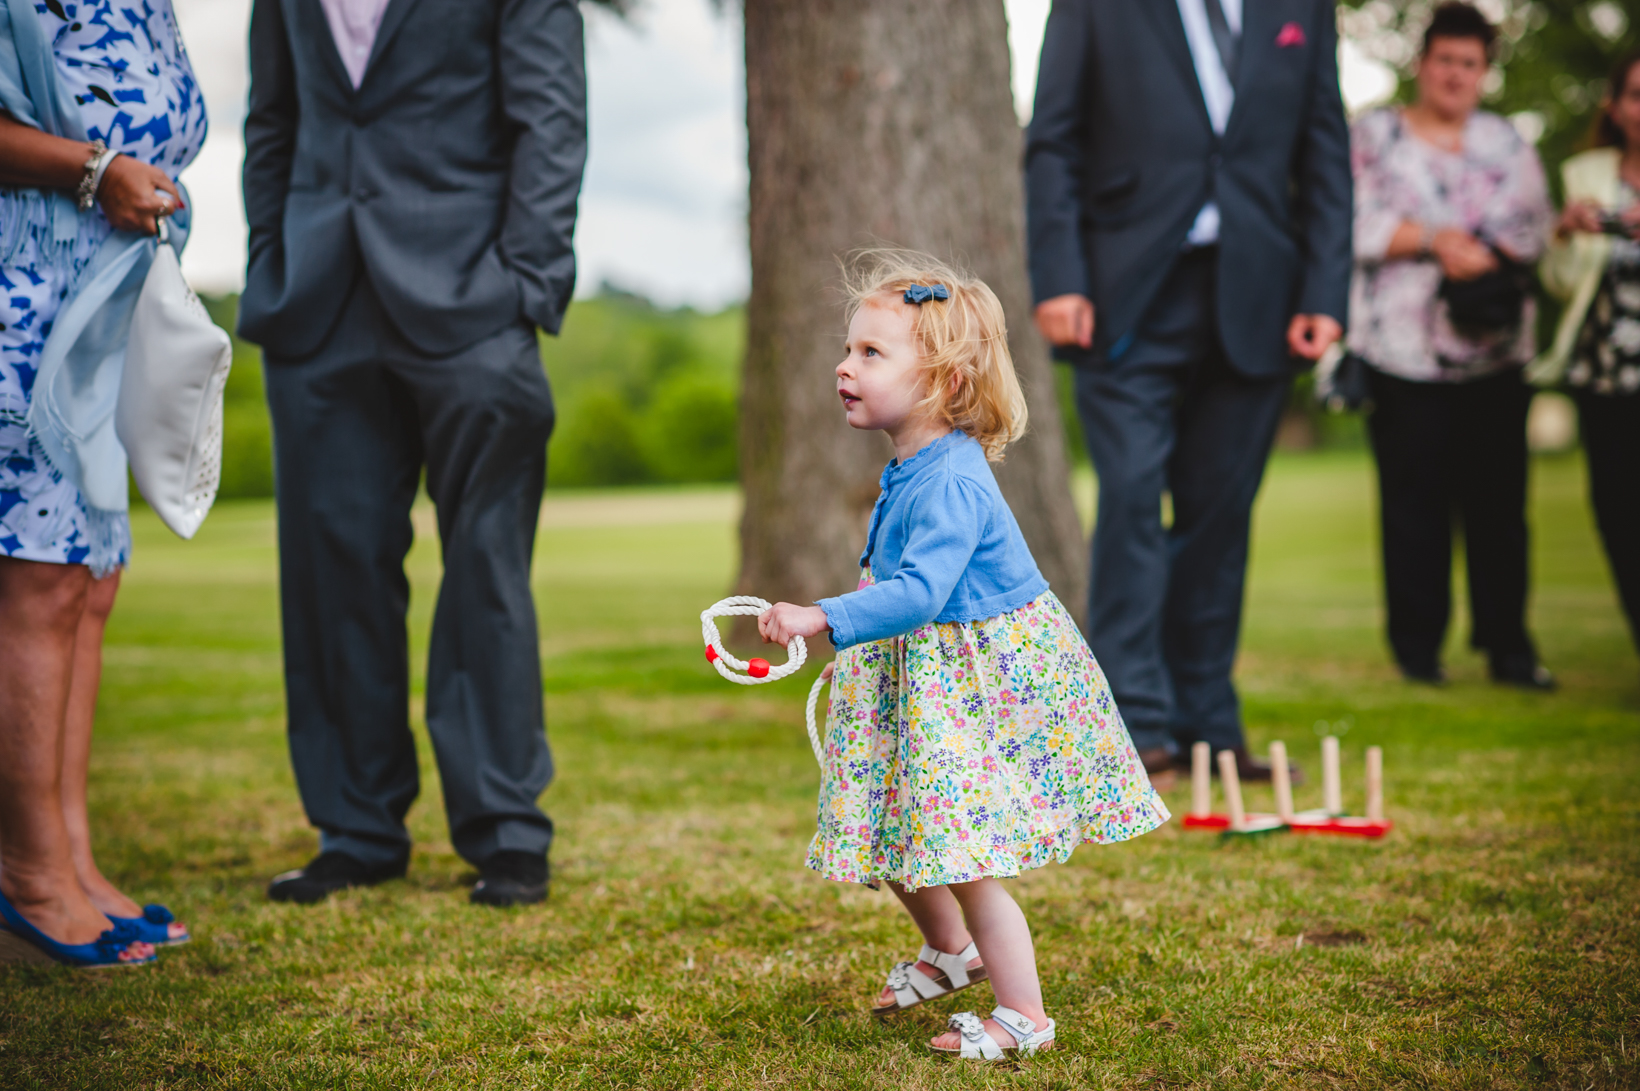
[
  {"x": 1594, "y": 267},
  {"x": 1449, "y": 200}
]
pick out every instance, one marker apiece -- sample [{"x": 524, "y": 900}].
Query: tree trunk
[{"x": 875, "y": 123}]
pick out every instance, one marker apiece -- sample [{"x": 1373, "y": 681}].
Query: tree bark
[{"x": 875, "y": 123}]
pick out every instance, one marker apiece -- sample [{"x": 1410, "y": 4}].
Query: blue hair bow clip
[{"x": 922, "y": 293}]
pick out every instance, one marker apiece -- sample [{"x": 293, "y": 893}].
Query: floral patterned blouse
[
  {"x": 1494, "y": 189},
  {"x": 1607, "y": 357}
]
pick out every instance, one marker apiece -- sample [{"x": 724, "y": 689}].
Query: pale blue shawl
[{"x": 71, "y": 411}]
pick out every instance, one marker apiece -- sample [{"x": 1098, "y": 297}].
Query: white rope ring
[{"x": 758, "y": 671}]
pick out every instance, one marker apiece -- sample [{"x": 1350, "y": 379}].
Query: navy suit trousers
[
  {"x": 1170, "y": 417},
  {"x": 354, "y": 427}
]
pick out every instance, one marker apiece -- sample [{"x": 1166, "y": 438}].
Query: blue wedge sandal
[
  {"x": 154, "y": 926},
  {"x": 103, "y": 953}
]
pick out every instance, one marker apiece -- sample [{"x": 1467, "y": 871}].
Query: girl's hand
[
  {"x": 831, "y": 669},
  {"x": 782, "y": 621},
  {"x": 134, "y": 195}
]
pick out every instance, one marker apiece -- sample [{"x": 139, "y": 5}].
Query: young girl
[{"x": 971, "y": 734}]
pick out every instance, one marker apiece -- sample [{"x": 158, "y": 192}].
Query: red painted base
[
  {"x": 1340, "y": 825},
  {"x": 1343, "y": 826},
  {"x": 1220, "y": 823}
]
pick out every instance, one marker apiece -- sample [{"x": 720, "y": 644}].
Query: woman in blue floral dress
[
  {"x": 971, "y": 735},
  {"x": 97, "y": 102}
]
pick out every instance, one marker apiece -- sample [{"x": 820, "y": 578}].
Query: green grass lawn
[{"x": 1490, "y": 941}]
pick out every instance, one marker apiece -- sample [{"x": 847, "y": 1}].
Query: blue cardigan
[{"x": 943, "y": 546}]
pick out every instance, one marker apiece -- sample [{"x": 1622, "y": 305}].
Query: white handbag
[{"x": 169, "y": 413}]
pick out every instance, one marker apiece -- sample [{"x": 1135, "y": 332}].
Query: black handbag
[
  {"x": 1490, "y": 303},
  {"x": 1347, "y": 388}
]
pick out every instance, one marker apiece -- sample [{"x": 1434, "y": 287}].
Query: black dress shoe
[
  {"x": 329, "y": 872},
  {"x": 1424, "y": 674},
  {"x": 1522, "y": 670},
  {"x": 1249, "y": 768},
  {"x": 1156, "y": 759},
  {"x": 511, "y": 878}
]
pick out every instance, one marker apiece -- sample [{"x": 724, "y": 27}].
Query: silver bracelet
[
  {"x": 87, "y": 194},
  {"x": 103, "y": 164}
]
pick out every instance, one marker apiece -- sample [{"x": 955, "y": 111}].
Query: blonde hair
[{"x": 964, "y": 342}]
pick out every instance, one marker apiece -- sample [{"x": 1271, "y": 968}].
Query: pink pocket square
[{"x": 1290, "y": 35}]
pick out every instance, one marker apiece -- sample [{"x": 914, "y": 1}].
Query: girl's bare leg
[
  {"x": 1004, "y": 940},
  {"x": 939, "y": 918},
  {"x": 82, "y": 714}
]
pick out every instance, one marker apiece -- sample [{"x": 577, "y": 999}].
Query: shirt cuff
[{"x": 842, "y": 631}]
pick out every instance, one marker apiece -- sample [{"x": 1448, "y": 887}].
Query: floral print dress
[
  {"x": 125, "y": 66},
  {"x": 964, "y": 750}
]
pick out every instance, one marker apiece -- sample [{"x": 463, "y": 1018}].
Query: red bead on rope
[
  {"x": 758, "y": 668},
  {"x": 711, "y": 654}
]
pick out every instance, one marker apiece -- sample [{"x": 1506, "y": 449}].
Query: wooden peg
[
  {"x": 1201, "y": 779},
  {"x": 1332, "y": 787},
  {"x": 1281, "y": 781},
  {"x": 1232, "y": 789},
  {"x": 1375, "y": 784}
]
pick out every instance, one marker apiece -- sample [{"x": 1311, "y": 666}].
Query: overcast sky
[{"x": 664, "y": 207}]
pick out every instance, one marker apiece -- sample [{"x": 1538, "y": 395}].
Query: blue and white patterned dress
[{"x": 125, "y": 66}]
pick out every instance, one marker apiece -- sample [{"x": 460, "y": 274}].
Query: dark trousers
[
  {"x": 354, "y": 427},
  {"x": 1610, "y": 427},
  {"x": 1452, "y": 453},
  {"x": 1171, "y": 416}
]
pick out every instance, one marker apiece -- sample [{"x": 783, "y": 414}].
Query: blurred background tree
[
  {"x": 644, "y": 396},
  {"x": 247, "y": 433}
]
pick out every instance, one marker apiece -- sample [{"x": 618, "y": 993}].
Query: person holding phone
[{"x": 1593, "y": 266}]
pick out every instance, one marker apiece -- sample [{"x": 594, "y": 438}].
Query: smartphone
[{"x": 1612, "y": 223}]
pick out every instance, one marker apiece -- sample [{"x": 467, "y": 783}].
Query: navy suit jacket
[
  {"x": 1120, "y": 156},
  {"x": 449, "y": 177}
]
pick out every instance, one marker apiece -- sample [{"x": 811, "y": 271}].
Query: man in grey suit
[
  {"x": 411, "y": 175},
  {"x": 1188, "y": 179}
]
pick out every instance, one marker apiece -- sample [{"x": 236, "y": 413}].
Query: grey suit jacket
[
  {"x": 1120, "y": 156},
  {"x": 449, "y": 178}
]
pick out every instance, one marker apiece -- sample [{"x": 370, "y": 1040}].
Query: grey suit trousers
[
  {"x": 1171, "y": 416},
  {"x": 354, "y": 425}
]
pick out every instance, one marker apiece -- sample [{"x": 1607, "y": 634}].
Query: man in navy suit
[
  {"x": 411, "y": 175},
  {"x": 1188, "y": 180}
]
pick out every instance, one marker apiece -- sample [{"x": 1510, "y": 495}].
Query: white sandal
[
  {"x": 978, "y": 1044},
  {"x": 912, "y": 986}
]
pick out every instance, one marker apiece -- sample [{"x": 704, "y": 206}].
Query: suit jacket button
[
  {"x": 1215, "y": 160},
  {"x": 362, "y": 194}
]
